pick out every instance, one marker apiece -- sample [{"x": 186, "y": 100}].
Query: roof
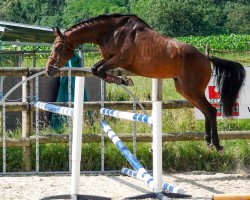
[{"x": 13, "y": 32}]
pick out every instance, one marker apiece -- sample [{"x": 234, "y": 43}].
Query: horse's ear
[{"x": 57, "y": 32}]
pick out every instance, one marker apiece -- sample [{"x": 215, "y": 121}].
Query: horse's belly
[
  {"x": 158, "y": 64},
  {"x": 157, "y": 71}
]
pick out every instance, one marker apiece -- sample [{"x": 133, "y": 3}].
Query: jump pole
[{"x": 231, "y": 196}]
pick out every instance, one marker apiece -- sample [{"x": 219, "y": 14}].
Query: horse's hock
[{"x": 48, "y": 89}]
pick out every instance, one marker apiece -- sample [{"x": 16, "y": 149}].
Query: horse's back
[{"x": 156, "y": 55}]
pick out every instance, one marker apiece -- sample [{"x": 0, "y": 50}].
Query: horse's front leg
[
  {"x": 102, "y": 72},
  {"x": 95, "y": 67}
]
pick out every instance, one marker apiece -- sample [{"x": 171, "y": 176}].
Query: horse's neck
[{"x": 89, "y": 33}]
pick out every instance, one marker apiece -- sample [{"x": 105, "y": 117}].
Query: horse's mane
[{"x": 104, "y": 17}]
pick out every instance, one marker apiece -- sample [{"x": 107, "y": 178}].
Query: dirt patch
[{"x": 198, "y": 184}]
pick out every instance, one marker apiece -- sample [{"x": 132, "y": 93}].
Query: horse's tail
[{"x": 229, "y": 77}]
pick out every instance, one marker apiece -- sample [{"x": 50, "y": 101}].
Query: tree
[
  {"x": 238, "y": 18},
  {"x": 171, "y": 17},
  {"x": 77, "y": 10},
  {"x": 19, "y": 11},
  {"x": 51, "y": 12},
  {"x": 181, "y": 17}
]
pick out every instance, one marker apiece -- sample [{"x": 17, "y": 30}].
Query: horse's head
[{"x": 62, "y": 51}]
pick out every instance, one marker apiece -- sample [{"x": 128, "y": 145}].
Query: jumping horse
[{"x": 128, "y": 42}]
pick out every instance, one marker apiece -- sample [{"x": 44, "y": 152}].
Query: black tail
[{"x": 230, "y": 77}]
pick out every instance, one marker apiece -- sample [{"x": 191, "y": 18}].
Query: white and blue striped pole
[
  {"x": 127, "y": 115},
  {"x": 54, "y": 108},
  {"x": 131, "y": 173},
  {"x": 165, "y": 185},
  {"x": 141, "y": 172}
]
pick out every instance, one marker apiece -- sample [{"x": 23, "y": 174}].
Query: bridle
[{"x": 64, "y": 45}]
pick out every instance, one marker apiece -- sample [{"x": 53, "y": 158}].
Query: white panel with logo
[{"x": 241, "y": 108}]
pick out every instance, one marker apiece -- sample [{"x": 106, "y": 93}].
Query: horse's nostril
[
  {"x": 48, "y": 73},
  {"x": 52, "y": 71}
]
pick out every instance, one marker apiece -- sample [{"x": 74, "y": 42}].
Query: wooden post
[
  {"x": 26, "y": 126},
  {"x": 156, "y": 89},
  {"x": 207, "y": 50}
]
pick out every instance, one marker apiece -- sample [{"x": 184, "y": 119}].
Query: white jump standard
[{"x": 77, "y": 115}]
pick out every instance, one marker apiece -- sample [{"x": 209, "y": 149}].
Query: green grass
[
  {"x": 241, "y": 57},
  {"x": 177, "y": 157}
]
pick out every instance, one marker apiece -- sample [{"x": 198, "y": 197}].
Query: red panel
[{"x": 212, "y": 94}]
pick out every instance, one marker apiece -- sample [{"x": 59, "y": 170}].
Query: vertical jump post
[
  {"x": 77, "y": 135},
  {"x": 77, "y": 143},
  {"x": 157, "y": 143},
  {"x": 157, "y": 133}
]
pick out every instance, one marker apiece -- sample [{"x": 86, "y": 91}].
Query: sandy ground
[{"x": 200, "y": 185}]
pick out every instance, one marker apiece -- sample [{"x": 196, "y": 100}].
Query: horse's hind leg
[
  {"x": 210, "y": 121},
  {"x": 208, "y": 133},
  {"x": 192, "y": 93},
  {"x": 207, "y": 121}
]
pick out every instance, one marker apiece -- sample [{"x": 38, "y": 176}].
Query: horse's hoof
[
  {"x": 210, "y": 146},
  {"x": 113, "y": 79},
  {"x": 127, "y": 82},
  {"x": 220, "y": 150}
]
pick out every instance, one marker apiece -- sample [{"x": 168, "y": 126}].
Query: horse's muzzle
[{"x": 52, "y": 71}]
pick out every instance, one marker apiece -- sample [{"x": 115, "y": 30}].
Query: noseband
[{"x": 63, "y": 41}]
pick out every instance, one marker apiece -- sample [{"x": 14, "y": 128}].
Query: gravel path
[{"x": 197, "y": 184}]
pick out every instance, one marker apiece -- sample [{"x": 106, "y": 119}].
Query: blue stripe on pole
[
  {"x": 129, "y": 172},
  {"x": 54, "y": 108},
  {"x": 144, "y": 174},
  {"x": 165, "y": 186},
  {"x": 145, "y": 119},
  {"x": 123, "y": 149},
  {"x": 134, "y": 117},
  {"x": 149, "y": 180}
]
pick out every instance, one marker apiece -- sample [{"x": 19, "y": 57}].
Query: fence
[{"x": 28, "y": 140}]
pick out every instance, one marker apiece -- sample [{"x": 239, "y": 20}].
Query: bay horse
[{"x": 128, "y": 42}]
